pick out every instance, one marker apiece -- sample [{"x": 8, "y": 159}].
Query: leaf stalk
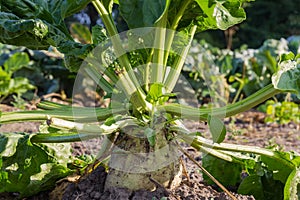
[{"x": 202, "y": 114}]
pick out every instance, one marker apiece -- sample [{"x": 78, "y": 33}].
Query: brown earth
[{"x": 246, "y": 128}]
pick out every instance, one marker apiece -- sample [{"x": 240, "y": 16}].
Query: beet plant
[{"x": 142, "y": 127}]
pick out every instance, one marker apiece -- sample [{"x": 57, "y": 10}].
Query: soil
[{"x": 246, "y": 128}]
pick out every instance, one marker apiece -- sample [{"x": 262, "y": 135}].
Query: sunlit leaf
[
  {"x": 288, "y": 56},
  {"x": 287, "y": 78},
  {"x": 16, "y": 62},
  {"x": 291, "y": 188},
  {"x": 29, "y": 168},
  {"x": 220, "y": 14},
  {"x": 282, "y": 171}
]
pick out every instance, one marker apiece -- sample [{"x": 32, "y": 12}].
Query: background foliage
[
  {"x": 35, "y": 73},
  {"x": 266, "y": 19},
  {"x": 235, "y": 74}
]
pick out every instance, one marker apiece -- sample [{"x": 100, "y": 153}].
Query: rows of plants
[
  {"x": 242, "y": 71},
  {"x": 142, "y": 126},
  {"x": 29, "y": 74}
]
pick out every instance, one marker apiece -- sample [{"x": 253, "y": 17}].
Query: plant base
[{"x": 134, "y": 163}]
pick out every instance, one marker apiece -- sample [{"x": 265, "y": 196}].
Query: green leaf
[
  {"x": 51, "y": 172},
  {"x": 4, "y": 87},
  {"x": 49, "y": 10},
  {"x": 40, "y": 24},
  {"x": 287, "y": 78},
  {"x": 220, "y": 14},
  {"x": 4, "y": 76},
  {"x": 31, "y": 33},
  {"x": 150, "y": 134},
  {"x": 98, "y": 34},
  {"x": 28, "y": 168},
  {"x": 273, "y": 189},
  {"x": 252, "y": 185},
  {"x": 113, "y": 119},
  {"x": 153, "y": 10},
  {"x": 19, "y": 85},
  {"x": 209, "y": 14},
  {"x": 231, "y": 79},
  {"x": 280, "y": 171},
  {"x": 288, "y": 56},
  {"x": 16, "y": 62},
  {"x": 217, "y": 129},
  {"x": 227, "y": 173},
  {"x": 75, "y": 53},
  {"x": 68, "y": 8},
  {"x": 262, "y": 187},
  {"x": 131, "y": 10},
  {"x": 155, "y": 92},
  {"x": 146, "y": 11}
]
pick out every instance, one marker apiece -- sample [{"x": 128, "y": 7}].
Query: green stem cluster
[
  {"x": 173, "y": 27},
  {"x": 174, "y": 73},
  {"x": 128, "y": 80},
  {"x": 84, "y": 114}
]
